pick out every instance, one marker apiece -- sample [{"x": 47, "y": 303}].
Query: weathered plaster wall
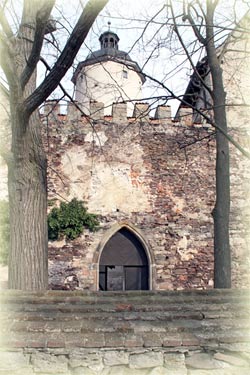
[
  {"x": 105, "y": 82},
  {"x": 133, "y": 171},
  {"x": 136, "y": 172},
  {"x": 152, "y": 175},
  {"x": 236, "y": 75}
]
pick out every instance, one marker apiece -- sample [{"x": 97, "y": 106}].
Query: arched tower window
[
  {"x": 124, "y": 263},
  {"x": 106, "y": 43}
]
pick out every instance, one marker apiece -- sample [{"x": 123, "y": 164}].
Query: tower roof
[
  {"x": 109, "y": 51},
  {"x": 108, "y": 39}
]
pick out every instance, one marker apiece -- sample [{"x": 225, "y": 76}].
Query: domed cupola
[
  {"x": 108, "y": 75},
  {"x": 109, "y": 40}
]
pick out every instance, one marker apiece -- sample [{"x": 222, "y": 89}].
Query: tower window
[
  {"x": 112, "y": 44},
  {"x": 106, "y": 42},
  {"x": 125, "y": 74}
]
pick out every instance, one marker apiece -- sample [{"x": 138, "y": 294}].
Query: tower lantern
[{"x": 109, "y": 40}]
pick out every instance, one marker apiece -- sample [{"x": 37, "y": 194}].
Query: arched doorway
[{"x": 123, "y": 263}]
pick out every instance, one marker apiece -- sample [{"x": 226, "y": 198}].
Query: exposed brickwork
[
  {"x": 139, "y": 174},
  {"x": 163, "y": 332},
  {"x": 135, "y": 172}
]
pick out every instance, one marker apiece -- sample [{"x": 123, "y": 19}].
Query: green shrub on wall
[
  {"x": 4, "y": 232},
  {"x": 69, "y": 220}
]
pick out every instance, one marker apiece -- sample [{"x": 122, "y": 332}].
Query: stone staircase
[{"x": 179, "y": 320}]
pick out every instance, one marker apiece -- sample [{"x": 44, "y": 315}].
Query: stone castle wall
[
  {"x": 134, "y": 333},
  {"x": 136, "y": 172},
  {"x": 155, "y": 177},
  {"x": 236, "y": 79}
]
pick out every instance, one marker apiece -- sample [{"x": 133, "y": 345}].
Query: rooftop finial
[{"x": 108, "y": 39}]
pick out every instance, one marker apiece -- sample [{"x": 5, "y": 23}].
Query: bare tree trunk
[
  {"x": 28, "y": 264},
  {"x": 222, "y": 253},
  {"x": 28, "y": 268}
]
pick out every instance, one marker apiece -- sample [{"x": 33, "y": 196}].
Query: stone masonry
[
  {"x": 132, "y": 333},
  {"x": 154, "y": 177},
  {"x": 134, "y": 172}
]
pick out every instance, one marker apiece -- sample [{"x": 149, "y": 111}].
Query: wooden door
[{"x": 123, "y": 264}]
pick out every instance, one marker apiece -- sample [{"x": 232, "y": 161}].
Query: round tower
[{"x": 108, "y": 75}]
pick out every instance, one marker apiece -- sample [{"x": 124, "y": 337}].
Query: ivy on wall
[{"x": 69, "y": 220}]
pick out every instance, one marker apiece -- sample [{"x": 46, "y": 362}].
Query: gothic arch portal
[{"x": 124, "y": 261}]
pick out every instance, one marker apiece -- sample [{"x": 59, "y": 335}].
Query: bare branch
[
  {"x": 187, "y": 53},
  {"x": 147, "y": 25},
  {"x": 41, "y": 23},
  {"x": 5, "y": 24},
  {"x": 207, "y": 118},
  {"x": 62, "y": 88},
  {"x": 67, "y": 56},
  {"x": 194, "y": 26},
  {"x": 6, "y": 60}
]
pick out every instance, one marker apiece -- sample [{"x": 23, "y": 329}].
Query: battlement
[{"x": 141, "y": 113}]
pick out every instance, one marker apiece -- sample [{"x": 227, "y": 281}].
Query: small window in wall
[{"x": 125, "y": 73}]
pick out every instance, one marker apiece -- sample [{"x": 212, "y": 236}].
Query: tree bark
[
  {"x": 221, "y": 212},
  {"x": 222, "y": 254},
  {"x": 28, "y": 258},
  {"x": 28, "y": 264}
]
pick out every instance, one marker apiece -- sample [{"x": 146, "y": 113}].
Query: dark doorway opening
[{"x": 123, "y": 264}]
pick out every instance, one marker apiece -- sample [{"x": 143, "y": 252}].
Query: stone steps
[
  {"x": 195, "y": 318},
  {"x": 122, "y": 323},
  {"x": 129, "y": 306},
  {"x": 182, "y": 295},
  {"x": 137, "y": 301},
  {"x": 56, "y": 319}
]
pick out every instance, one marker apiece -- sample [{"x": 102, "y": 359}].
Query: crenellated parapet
[
  {"x": 141, "y": 114},
  {"x": 156, "y": 174}
]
